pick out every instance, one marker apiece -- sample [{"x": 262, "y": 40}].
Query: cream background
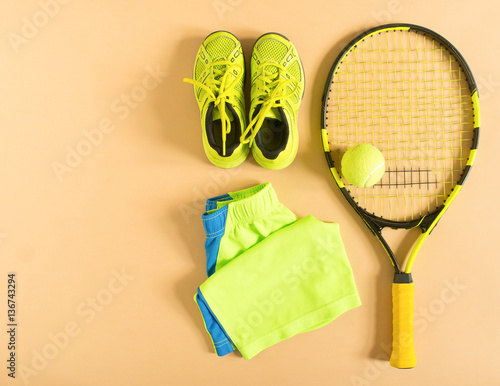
[{"x": 133, "y": 203}]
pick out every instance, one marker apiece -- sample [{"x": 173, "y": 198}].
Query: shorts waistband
[{"x": 244, "y": 206}]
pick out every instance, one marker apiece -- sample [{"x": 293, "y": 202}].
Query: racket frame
[{"x": 426, "y": 223}]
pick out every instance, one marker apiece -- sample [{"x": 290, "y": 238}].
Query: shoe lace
[
  {"x": 218, "y": 90},
  {"x": 270, "y": 92}
]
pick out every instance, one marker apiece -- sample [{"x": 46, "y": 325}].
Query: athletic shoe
[
  {"x": 277, "y": 89},
  {"x": 219, "y": 76}
]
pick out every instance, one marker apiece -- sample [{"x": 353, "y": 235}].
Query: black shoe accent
[
  {"x": 273, "y": 135},
  {"x": 214, "y": 131}
]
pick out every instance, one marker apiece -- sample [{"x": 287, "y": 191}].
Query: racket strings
[{"x": 407, "y": 95}]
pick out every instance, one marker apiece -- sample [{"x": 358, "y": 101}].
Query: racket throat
[{"x": 403, "y": 278}]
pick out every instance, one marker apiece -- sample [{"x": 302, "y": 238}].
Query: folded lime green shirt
[{"x": 294, "y": 280}]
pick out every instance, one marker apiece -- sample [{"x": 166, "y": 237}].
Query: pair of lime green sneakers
[{"x": 277, "y": 88}]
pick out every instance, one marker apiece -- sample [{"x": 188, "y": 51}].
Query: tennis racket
[{"x": 407, "y": 91}]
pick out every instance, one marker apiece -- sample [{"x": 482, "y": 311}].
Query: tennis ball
[{"x": 363, "y": 165}]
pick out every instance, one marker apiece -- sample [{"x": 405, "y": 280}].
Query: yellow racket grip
[{"x": 403, "y": 352}]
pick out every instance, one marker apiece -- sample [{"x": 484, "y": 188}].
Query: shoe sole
[
  {"x": 221, "y": 163},
  {"x": 221, "y": 30}
]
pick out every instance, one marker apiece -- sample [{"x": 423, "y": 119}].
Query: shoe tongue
[
  {"x": 216, "y": 114},
  {"x": 271, "y": 69},
  {"x": 274, "y": 114},
  {"x": 219, "y": 66}
]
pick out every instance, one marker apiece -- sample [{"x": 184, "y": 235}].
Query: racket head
[{"x": 408, "y": 91}]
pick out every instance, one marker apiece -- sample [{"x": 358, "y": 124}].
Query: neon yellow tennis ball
[{"x": 363, "y": 165}]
